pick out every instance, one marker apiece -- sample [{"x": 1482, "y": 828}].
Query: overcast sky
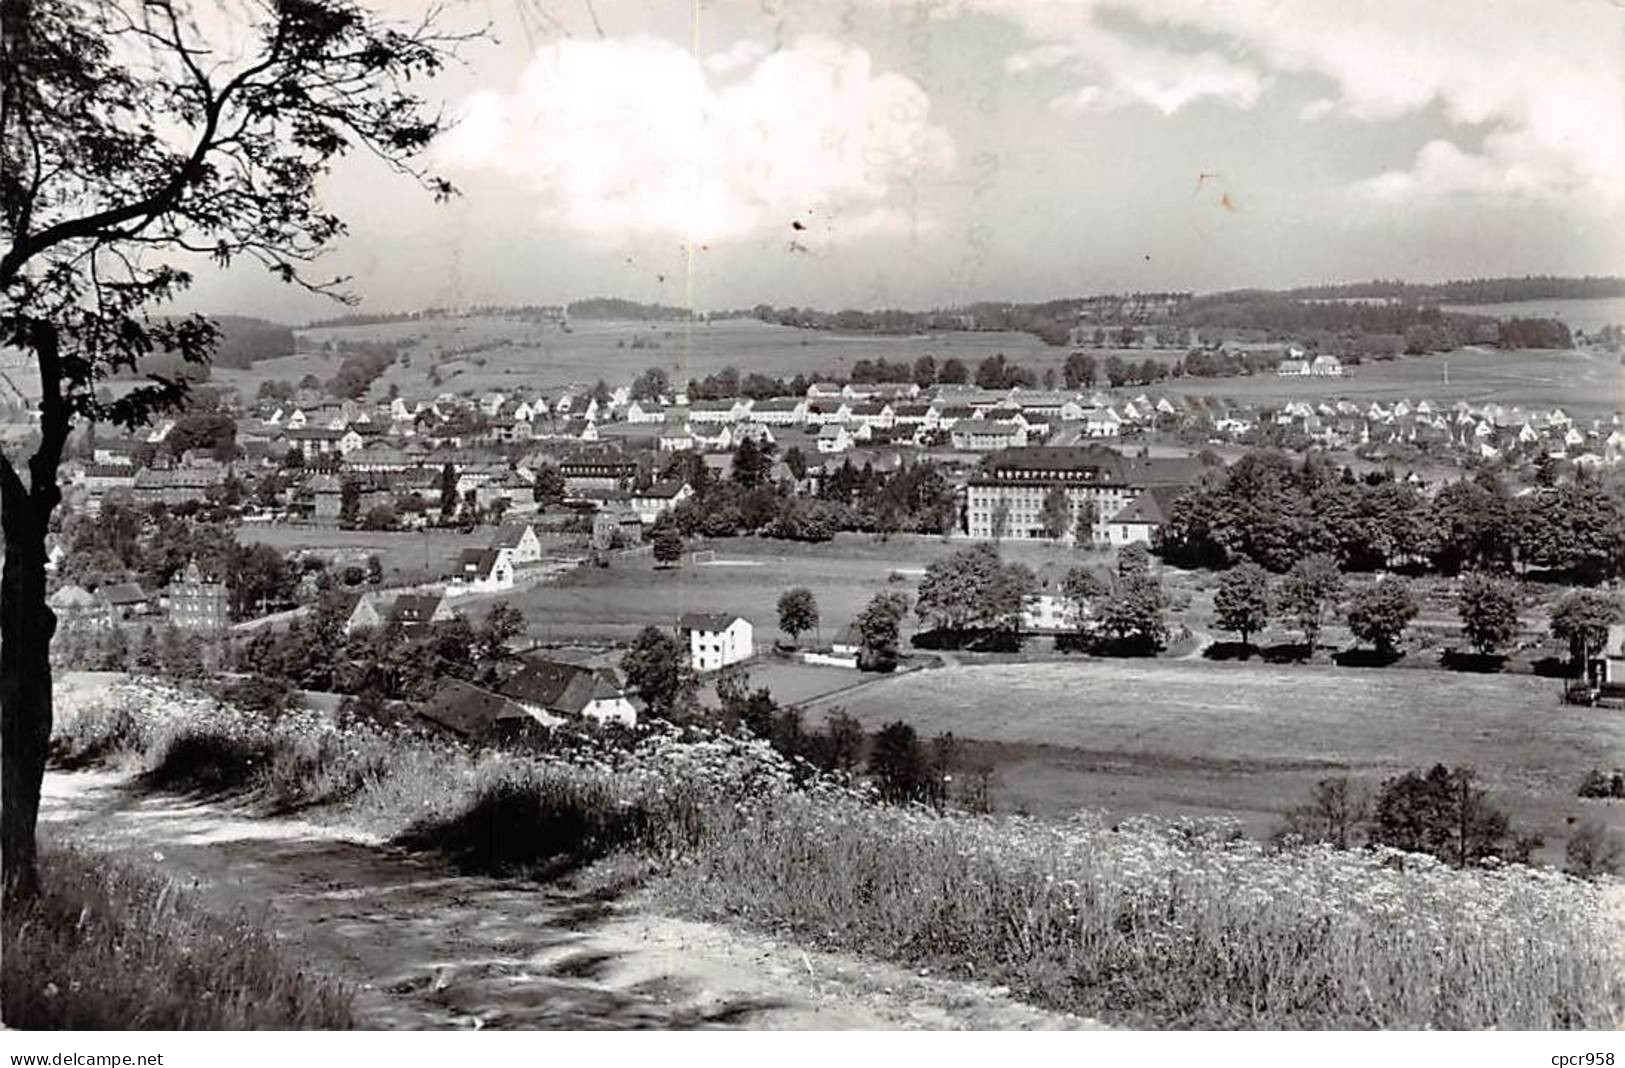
[{"x": 941, "y": 152}]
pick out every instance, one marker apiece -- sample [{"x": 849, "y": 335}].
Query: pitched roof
[
  {"x": 508, "y": 534},
  {"x": 563, "y": 688},
  {"x": 123, "y": 593},
  {"x": 707, "y": 621},
  {"x": 415, "y": 607},
  {"x": 465, "y": 709}
]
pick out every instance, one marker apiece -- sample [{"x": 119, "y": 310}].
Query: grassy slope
[
  {"x": 113, "y": 944},
  {"x": 1249, "y": 740},
  {"x": 1583, "y": 384}
]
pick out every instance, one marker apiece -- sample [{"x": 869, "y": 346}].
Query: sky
[{"x": 869, "y": 153}]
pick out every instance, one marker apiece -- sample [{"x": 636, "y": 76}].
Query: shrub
[
  {"x": 1593, "y": 852},
  {"x": 115, "y": 946}
]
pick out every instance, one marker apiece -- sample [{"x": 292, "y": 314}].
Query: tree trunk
[{"x": 26, "y": 628}]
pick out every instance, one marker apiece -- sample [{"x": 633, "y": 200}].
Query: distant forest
[
  {"x": 243, "y": 341},
  {"x": 1377, "y": 307},
  {"x": 1470, "y": 290}
]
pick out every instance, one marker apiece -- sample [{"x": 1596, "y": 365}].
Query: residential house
[
  {"x": 413, "y": 610},
  {"x": 356, "y": 610},
  {"x": 720, "y": 412},
  {"x": 780, "y": 411},
  {"x": 520, "y": 539},
  {"x": 484, "y": 570},
  {"x": 125, "y": 600},
  {"x": 1326, "y": 365},
  {"x": 715, "y": 639},
  {"x": 834, "y": 438},
  {"x": 987, "y": 435},
  {"x": 1606, "y": 666},
  {"x": 652, "y": 503},
  {"x": 563, "y": 691},
  {"x": 645, "y": 411},
  {"x": 77, "y": 606}
]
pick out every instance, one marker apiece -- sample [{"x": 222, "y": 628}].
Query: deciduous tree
[
  {"x": 1242, "y": 601},
  {"x": 798, "y": 612},
  {"x": 130, "y": 134},
  {"x": 1489, "y": 611}
]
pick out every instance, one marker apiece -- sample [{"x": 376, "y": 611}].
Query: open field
[
  {"x": 1582, "y": 383},
  {"x": 747, "y": 577},
  {"x": 413, "y": 556},
  {"x": 1589, "y": 315},
  {"x": 1250, "y": 740},
  {"x": 513, "y": 353}
]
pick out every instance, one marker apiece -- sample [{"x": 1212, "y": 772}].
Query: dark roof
[
  {"x": 709, "y": 621},
  {"x": 508, "y": 534},
  {"x": 563, "y": 688},
  {"x": 122, "y": 593},
  {"x": 465, "y": 709},
  {"x": 663, "y": 490},
  {"x": 1142, "y": 509},
  {"x": 415, "y": 607}
]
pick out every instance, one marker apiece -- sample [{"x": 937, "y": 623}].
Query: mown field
[
  {"x": 512, "y": 354},
  {"x": 1581, "y": 383},
  {"x": 746, "y": 577},
  {"x": 407, "y": 556},
  {"x": 1250, "y": 740}
]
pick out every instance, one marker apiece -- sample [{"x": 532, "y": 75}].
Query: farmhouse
[
  {"x": 716, "y": 639},
  {"x": 470, "y": 712},
  {"x": 125, "y": 600},
  {"x": 1012, "y": 492},
  {"x": 561, "y": 691}
]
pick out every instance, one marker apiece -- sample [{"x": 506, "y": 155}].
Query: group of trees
[
  {"x": 973, "y": 597},
  {"x": 389, "y": 662},
  {"x": 915, "y": 498},
  {"x": 1273, "y": 511},
  {"x": 1441, "y": 812},
  {"x": 1377, "y": 613},
  {"x": 363, "y": 362}
]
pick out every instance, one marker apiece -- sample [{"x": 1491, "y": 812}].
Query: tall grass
[
  {"x": 1148, "y": 922},
  {"x": 111, "y": 945}
]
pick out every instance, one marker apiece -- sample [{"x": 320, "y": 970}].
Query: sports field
[{"x": 1250, "y": 740}]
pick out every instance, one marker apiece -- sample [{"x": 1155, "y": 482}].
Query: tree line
[{"x": 1272, "y": 510}]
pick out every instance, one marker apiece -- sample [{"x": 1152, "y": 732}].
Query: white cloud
[
  {"x": 1121, "y": 71},
  {"x": 627, "y": 137},
  {"x": 1539, "y": 82}
]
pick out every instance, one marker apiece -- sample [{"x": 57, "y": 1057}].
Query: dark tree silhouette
[{"x": 127, "y": 142}]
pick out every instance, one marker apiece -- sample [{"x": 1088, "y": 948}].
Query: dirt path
[{"x": 430, "y": 948}]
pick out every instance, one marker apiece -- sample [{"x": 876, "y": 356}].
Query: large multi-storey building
[
  {"x": 195, "y": 603},
  {"x": 1008, "y": 500}
]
